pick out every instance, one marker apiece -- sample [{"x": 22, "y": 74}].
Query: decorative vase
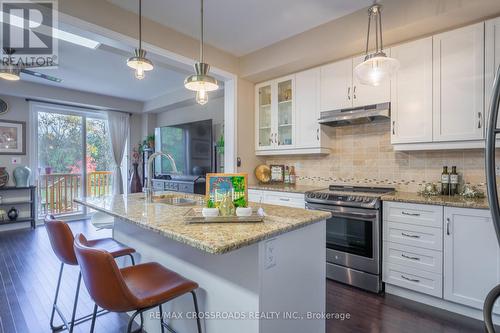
[
  {"x": 135, "y": 184},
  {"x": 226, "y": 206},
  {"x": 4, "y": 176},
  {"x": 13, "y": 214},
  {"x": 21, "y": 176}
]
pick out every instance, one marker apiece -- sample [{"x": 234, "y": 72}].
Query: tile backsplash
[{"x": 363, "y": 154}]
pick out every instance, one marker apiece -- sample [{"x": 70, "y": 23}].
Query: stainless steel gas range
[{"x": 353, "y": 233}]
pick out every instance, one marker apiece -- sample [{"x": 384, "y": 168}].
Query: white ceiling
[
  {"x": 104, "y": 71},
  {"x": 243, "y": 26}
]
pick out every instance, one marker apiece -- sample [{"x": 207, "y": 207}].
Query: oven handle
[{"x": 344, "y": 214}]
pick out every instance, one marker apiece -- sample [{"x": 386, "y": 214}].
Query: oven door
[{"x": 352, "y": 237}]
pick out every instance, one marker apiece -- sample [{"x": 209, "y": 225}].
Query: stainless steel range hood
[{"x": 358, "y": 115}]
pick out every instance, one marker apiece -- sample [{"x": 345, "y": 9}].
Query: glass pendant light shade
[
  {"x": 375, "y": 69},
  {"x": 377, "y": 66},
  {"x": 10, "y": 74},
  {"x": 202, "y": 97}
]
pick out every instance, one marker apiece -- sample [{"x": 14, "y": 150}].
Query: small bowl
[
  {"x": 244, "y": 211},
  {"x": 210, "y": 212}
]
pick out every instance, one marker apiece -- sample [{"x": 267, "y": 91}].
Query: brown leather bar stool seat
[
  {"x": 61, "y": 239},
  {"x": 137, "y": 288}
]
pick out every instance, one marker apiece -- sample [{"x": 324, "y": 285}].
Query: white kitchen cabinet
[
  {"x": 471, "y": 256},
  {"x": 411, "y": 93},
  {"x": 459, "y": 84},
  {"x": 492, "y": 58},
  {"x": 288, "y": 199},
  {"x": 275, "y": 114},
  {"x": 309, "y": 133},
  {"x": 336, "y": 85},
  {"x": 367, "y": 95}
]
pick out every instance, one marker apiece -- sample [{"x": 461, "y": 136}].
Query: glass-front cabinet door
[
  {"x": 285, "y": 123},
  {"x": 265, "y": 135}
]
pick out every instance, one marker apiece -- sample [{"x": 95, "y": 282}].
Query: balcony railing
[{"x": 56, "y": 191}]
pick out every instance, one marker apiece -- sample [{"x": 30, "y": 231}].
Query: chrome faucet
[{"x": 148, "y": 188}]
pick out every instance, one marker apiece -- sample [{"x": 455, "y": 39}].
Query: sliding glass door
[{"x": 73, "y": 159}]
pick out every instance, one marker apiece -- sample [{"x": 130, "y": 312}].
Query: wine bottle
[
  {"x": 445, "y": 181},
  {"x": 293, "y": 177},
  {"x": 453, "y": 181}
]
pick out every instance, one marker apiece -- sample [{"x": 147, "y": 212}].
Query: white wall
[
  {"x": 214, "y": 110},
  {"x": 19, "y": 111}
]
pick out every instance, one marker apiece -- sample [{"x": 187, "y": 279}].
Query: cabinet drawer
[
  {"x": 284, "y": 199},
  {"x": 413, "y": 235},
  {"x": 414, "y": 279},
  {"x": 158, "y": 185},
  {"x": 415, "y": 257},
  {"x": 426, "y": 215},
  {"x": 254, "y": 196}
]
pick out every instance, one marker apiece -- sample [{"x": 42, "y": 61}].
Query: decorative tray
[{"x": 194, "y": 216}]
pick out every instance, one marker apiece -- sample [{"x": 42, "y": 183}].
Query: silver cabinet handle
[
  {"x": 354, "y": 92},
  {"x": 393, "y": 127},
  {"x": 448, "y": 226},
  {"x": 284, "y": 199},
  {"x": 408, "y": 257},
  {"x": 479, "y": 117},
  {"x": 317, "y": 134},
  {"x": 411, "y": 280},
  {"x": 404, "y": 234},
  {"x": 349, "y": 93},
  {"x": 410, "y": 214}
]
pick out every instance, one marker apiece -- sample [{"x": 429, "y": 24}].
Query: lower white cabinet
[
  {"x": 288, "y": 199},
  {"x": 471, "y": 256},
  {"x": 446, "y": 252}
]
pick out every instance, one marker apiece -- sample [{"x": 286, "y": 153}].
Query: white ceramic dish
[
  {"x": 241, "y": 211},
  {"x": 210, "y": 212}
]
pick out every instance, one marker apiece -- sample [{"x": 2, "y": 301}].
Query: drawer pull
[
  {"x": 284, "y": 199},
  {"x": 411, "y": 280},
  {"x": 408, "y": 257},
  {"x": 410, "y": 214},
  {"x": 410, "y": 236}
]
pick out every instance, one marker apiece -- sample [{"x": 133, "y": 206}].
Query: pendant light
[
  {"x": 377, "y": 66},
  {"x": 201, "y": 82},
  {"x": 139, "y": 62},
  {"x": 10, "y": 73}
]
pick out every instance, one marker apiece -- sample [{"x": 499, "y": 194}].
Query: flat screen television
[{"x": 191, "y": 146}]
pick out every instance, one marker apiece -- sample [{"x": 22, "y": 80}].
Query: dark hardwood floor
[{"x": 28, "y": 276}]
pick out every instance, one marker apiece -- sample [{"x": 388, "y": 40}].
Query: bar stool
[
  {"x": 136, "y": 288},
  {"x": 61, "y": 239}
]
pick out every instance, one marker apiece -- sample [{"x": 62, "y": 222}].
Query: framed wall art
[
  {"x": 12, "y": 137},
  {"x": 277, "y": 173}
]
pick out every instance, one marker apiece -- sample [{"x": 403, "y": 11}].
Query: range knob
[
  {"x": 350, "y": 198},
  {"x": 310, "y": 195},
  {"x": 359, "y": 199},
  {"x": 367, "y": 200},
  {"x": 324, "y": 196},
  {"x": 317, "y": 195}
]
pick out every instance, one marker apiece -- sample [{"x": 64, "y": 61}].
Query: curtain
[{"x": 118, "y": 132}]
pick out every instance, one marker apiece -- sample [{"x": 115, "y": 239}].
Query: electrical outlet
[
  {"x": 270, "y": 255},
  {"x": 16, "y": 160}
]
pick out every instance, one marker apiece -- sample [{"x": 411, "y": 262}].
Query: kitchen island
[{"x": 256, "y": 277}]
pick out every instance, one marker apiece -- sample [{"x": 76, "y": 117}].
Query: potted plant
[{"x": 150, "y": 141}]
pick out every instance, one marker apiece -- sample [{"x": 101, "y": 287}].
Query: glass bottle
[
  {"x": 453, "y": 181},
  {"x": 293, "y": 177},
  {"x": 226, "y": 206},
  {"x": 287, "y": 176},
  {"x": 445, "y": 181}
]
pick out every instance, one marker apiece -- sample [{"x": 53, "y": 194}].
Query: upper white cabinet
[
  {"x": 459, "y": 84},
  {"x": 275, "y": 114},
  {"x": 411, "y": 93},
  {"x": 290, "y": 124},
  {"x": 471, "y": 256},
  {"x": 367, "y": 95},
  {"x": 492, "y": 56},
  {"x": 341, "y": 90},
  {"x": 336, "y": 85}
]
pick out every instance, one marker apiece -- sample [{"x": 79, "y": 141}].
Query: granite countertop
[
  {"x": 214, "y": 238},
  {"x": 285, "y": 188},
  {"x": 442, "y": 200}
]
